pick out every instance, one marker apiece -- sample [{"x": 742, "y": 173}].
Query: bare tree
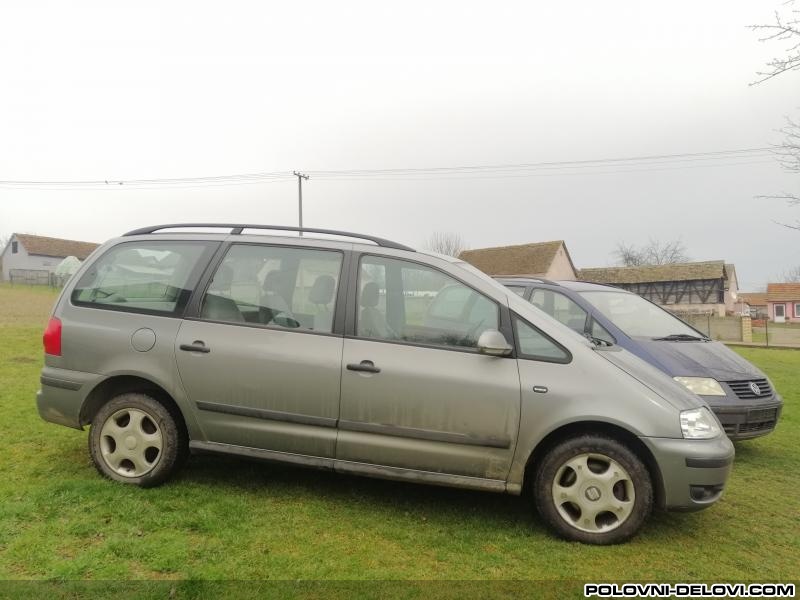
[
  {"x": 788, "y": 153},
  {"x": 792, "y": 275},
  {"x": 654, "y": 252},
  {"x": 451, "y": 244},
  {"x": 786, "y": 28}
]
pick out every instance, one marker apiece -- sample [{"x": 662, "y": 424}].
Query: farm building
[
  {"x": 783, "y": 302},
  {"x": 33, "y": 258},
  {"x": 550, "y": 260},
  {"x": 695, "y": 287}
]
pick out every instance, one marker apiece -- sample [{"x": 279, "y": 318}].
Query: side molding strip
[
  {"x": 424, "y": 434},
  {"x": 269, "y": 415},
  {"x": 60, "y": 383}
]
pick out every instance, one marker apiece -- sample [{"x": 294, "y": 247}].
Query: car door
[
  {"x": 261, "y": 357},
  {"x": 416, "y": 394}
]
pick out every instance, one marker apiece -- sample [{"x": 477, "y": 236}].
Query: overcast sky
[{"x": 120, "y": 91}]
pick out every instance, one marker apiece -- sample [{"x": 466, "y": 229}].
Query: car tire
[
  {"x": 135, "y": 439},
  {"x": 593, "y": 489}
]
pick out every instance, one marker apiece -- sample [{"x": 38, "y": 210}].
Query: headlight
[
  {"x": 702, "y": 386},
  {"x": 699, "y": 424}
]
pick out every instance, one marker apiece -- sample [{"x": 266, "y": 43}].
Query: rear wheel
[
  {"x": 593, "y": 489},
  {"x": 136, "y": 439}
]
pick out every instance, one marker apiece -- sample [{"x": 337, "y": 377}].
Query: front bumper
[
  {"x": 744, "y": 420},
  {"x": 693, "y": 472}
]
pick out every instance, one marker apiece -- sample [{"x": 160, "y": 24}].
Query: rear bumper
[
  {"x": 693, "y": 472},
  {"x": 747, "y": 420},
  {"x": 62, "y": 394}
]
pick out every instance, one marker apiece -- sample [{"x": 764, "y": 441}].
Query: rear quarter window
[{"x": 148, "y": 276}]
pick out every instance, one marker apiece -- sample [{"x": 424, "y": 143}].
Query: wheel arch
[
  {"x": 611, "y": 430},
  {"x": 123, "y": 384}
]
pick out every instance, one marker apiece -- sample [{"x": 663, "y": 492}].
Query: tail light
[{"x": 52, "y": 337}]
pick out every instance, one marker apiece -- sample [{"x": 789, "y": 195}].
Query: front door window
[{"x": 408, "y": 302}]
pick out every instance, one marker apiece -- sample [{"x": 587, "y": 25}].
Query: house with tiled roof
[
  {"x": 783, "y": 302},
  {"x": 756, "y": 303},
  {"x": 550, "y": 260},
  {"x": 32, "y": 258},
  {"x": 691, "y": 287}
]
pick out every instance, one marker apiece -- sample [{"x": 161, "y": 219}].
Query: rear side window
[
  {"x": 150, "y": 276},
  {"x": 275, "y": 286}
]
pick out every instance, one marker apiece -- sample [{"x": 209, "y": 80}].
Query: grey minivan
[
  {"x": 742, "y": 397},
  {"x": 371, "y": 358}
]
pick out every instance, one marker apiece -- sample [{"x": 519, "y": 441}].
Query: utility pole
[{"x": 300, "y": 178}]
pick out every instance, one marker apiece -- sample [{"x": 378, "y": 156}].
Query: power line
[
  {"x": 633, "y": 163},
  {"x": 575, "y": 163},
  {"x": 500, "y": 175}
]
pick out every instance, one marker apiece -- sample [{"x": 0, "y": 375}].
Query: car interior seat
[
  {"x": 321, "y": 294},
  {"x": 273, "y": 302},
  {"x": 372, "y": 321}
]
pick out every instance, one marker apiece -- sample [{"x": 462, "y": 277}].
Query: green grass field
[{"x": 231, "y": 519}]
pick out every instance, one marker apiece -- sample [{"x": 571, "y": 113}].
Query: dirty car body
[{"x": 336, "y": 355}]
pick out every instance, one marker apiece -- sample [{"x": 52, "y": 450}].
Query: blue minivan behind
[{"x": 742, "y": 397}]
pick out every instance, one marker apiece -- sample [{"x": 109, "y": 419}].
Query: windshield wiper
[
  {"x": 597, "y": 341},
  {"x": 681, "y": 337}
]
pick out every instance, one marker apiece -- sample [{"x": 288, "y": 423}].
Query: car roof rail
[
  {"x": 237, "y": 228},
  {"x": 526, "y": 278}
]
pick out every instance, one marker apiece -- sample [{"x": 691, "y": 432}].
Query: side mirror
[{"x": 493, "y": 343}]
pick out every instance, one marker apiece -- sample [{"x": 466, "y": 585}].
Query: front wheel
[
  {"x": 593, "y": 489},
  {"x": 136, "y": 439}
]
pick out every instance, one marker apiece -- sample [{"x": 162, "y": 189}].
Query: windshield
[{"x": 636, "y": 316}]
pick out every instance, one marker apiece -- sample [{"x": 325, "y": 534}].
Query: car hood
[
  {"x": 699, "y": 359},
  {"x": 653, "y": 378}
]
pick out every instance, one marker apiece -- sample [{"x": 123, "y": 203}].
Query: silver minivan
[{"x": 371, "y": 358}]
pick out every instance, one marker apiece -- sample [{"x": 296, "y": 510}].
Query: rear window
[{"x": 154, "y": 277}]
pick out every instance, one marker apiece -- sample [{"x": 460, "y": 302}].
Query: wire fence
[
  {"x": 36, "y": 277},
  {"x": 734, "y": 328}
]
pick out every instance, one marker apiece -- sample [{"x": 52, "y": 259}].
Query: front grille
[
  {"x": 762, "y": 414},
  {"x": 757, "y": 420},
  {"x": 756, "y": 426},
  {"x": 743, "y": 390}
]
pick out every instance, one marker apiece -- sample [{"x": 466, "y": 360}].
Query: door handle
[
  {"x": 196, "y": 346},
  {"x": 366, "y": 366}
]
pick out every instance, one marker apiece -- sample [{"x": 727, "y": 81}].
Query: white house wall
[{"x": 23, "y": 260}]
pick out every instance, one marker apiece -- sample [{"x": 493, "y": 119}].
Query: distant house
[
  {"x": 33, "y": 258},
  {"x": 550, "y": 260},
  {"x": 756, "y": 304},
  {"x": 783, "y": 302},
  {"x": 694, "y": 287}
]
